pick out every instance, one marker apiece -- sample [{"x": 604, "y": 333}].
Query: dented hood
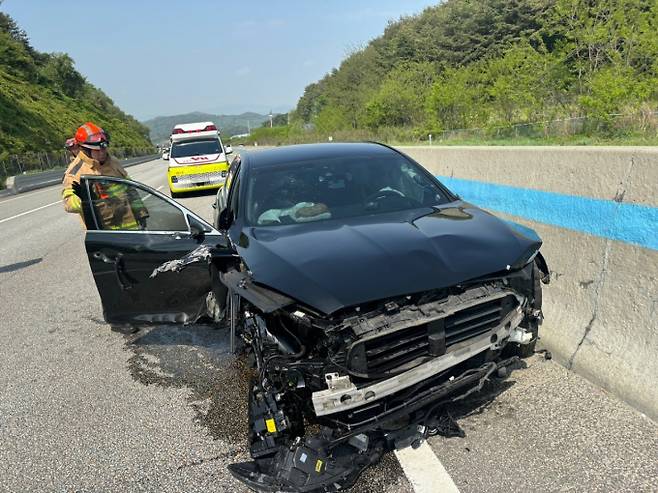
[{"x": 331, "y": 265}]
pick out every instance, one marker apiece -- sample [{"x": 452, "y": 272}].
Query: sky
[{"x": 164, "y": 57}]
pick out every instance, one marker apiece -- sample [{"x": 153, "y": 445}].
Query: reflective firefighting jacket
[{"x": 116, "y": 206}]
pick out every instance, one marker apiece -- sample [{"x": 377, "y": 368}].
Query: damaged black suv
[{"x": 366, "y": 294}]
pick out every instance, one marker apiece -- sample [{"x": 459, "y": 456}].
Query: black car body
[{"x": 364, "y": 308}]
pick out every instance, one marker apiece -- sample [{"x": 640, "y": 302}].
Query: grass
[
  {"x": 551, "y": 141},
  {"x": 399, "y": 138},
  {"x": 631, "y": 130}
]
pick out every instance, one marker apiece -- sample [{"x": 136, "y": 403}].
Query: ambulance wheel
[{"x": 175, "y": 195}]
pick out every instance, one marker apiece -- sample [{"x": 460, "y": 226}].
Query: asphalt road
[{"x": 86, "y": 409}]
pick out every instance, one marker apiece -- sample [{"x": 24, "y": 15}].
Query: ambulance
[{"x": 197, "y": 158}]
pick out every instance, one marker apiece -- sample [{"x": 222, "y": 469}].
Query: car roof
[{"x": 304, "y": 152}]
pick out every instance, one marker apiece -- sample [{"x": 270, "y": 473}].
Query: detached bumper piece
[
  {"x": 332, "y": 461},
  {"x": 308, "y": 467}
]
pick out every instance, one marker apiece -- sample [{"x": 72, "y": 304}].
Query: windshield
[
  {"x": 337, "y": 188},
  {"x": 196, "y": 148}
]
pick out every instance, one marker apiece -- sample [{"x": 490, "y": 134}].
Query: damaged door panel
[
  {"x": 154, "y": 271},
  {"x": 367, "y": 295}
]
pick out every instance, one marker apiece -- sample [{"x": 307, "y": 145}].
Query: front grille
[{"x": 404, "y": 347}]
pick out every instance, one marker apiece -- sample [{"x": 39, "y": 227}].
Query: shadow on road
[
  {"x": 19, "y": 265},
  {"x": 190, "y": 195},
  {"x": 478, "y": 402}
]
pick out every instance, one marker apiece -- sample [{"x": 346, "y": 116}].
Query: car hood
[{"x": 331, "y": 265}]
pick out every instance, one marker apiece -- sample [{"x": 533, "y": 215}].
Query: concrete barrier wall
[{"x": 596, "y": 210}]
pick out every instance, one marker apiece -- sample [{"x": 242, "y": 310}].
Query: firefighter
[
  {"x": 117, "y": 206},
  {"x": 73, "y": 148}
]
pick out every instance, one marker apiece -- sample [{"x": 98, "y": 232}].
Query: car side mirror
[
  {"x": 228, "y": 150},
  {"x": 224, "y": 220}
]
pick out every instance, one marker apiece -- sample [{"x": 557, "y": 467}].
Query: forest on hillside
[
  {"x": 43, "y": 99},
  {"x": 496, "y": 68}
]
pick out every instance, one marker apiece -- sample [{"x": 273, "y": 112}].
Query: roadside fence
[{"x": 644, "y": 123}]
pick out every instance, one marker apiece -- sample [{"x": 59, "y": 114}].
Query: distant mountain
[{"x": 160, "y": 126}]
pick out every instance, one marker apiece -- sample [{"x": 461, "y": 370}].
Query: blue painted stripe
[{"x": 630, "y": 223}]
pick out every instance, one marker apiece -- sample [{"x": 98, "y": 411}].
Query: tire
[{"x": 175, "y": 195}]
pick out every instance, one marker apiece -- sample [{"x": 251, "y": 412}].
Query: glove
[{"x": 77, "y": 189}]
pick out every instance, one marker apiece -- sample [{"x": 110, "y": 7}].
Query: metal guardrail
[
  {"x": 35, "y": 162},
  {"x": 32, "y": 181}
]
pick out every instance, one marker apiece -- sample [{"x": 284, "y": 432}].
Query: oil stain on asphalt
[{"x": 198, "y": 358}]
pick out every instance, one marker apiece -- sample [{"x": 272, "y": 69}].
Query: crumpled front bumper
[
  {"x": 343, "y": 395},
  {"x": 335, "y": 464}
]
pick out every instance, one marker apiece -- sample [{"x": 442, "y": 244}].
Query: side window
[
  {"x": 234, "y": 196},
  {"x": 235, "y": 164},
  {"x": 222, "y": 197},
  {"x": 124, "y": 207},
  {"x": 233, "y": 174}
]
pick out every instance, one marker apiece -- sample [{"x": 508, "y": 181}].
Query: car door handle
[
  {"x": 181, "y": 236},
  {"x": 117, "y": 261}
]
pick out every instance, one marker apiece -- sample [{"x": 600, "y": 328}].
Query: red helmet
[{"x": 92, "y": 136}]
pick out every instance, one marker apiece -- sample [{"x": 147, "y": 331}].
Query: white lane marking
[
  {"x": 29, "y": 212},
  {"x": 30, "y": 194},
  {"x": 424, "y": 470},
  {"x": 39, "y": 208},
  {"x": 50, "y": 188}
]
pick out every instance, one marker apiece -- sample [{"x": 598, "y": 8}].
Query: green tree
[
  {"x": 525, "y": 85},
  {"x": 457, "y": 99},
  {"x": 594, "y": 34},
  {"x": 614, "y": 89},
  {"x": 331, "y": 119},
  {"x": 402, "y": 97},
  {"x": 60, "y": 70},
  {"x": 495, "y": 63}
]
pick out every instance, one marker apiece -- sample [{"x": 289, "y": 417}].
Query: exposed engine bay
[{"x": 334, "y": 393}]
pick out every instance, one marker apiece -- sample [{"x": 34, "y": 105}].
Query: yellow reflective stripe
[
  {"x": 73, "y": 202},
  {"x": 128, "y": 225},
  {"x": 197, "y": 168}
]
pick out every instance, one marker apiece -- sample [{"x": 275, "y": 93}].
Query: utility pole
[
  {"x": 271, "y": 121},
  {"x": 248, "y": 127}
]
